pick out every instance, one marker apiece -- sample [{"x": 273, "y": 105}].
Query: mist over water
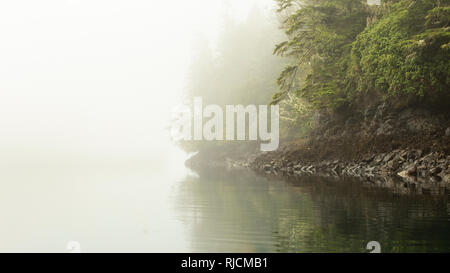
[
  {"x": 86, "y": 93},
  {"x": 86, "y": 90}
]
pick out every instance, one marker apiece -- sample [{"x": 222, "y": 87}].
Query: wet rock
[
  {"x": 446, "y": 178},
  {"x": 376, "y": 120},
  {"x": 411, "y": 170},
  {"x": 435, "y": 171}
]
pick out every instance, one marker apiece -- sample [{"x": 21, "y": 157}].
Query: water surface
[
  {"x": 247, "y": 213},
  {"x": 145, "y": 205}
]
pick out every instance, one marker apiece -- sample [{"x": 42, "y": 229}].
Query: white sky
[{"x": 96, "y": 76}]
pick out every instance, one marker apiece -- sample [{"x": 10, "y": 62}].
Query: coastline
[{"x": 379, "y": 144}]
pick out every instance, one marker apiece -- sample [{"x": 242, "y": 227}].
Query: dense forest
[
  {"x": 350, "y": 78},
  {"x": 345, "y": 51}
]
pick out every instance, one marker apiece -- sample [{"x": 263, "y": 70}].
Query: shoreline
[
  {"x": 379, "y": 142},
  {"x": 374, "y": 173}
]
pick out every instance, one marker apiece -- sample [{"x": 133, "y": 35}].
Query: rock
[
  {"x": 381, "y": 110},
  {"x": 447, "y": 132},
  {"x": 419, "y": 153},
  {"x": 421, "y": 123},
  {"x": 368, "y": 158},
  {"x": 385, "y": 129},
  {"x": 393, "y": 164},
  {"x": 441, "y": 161},
  {"x": 435, "y": 171},
  {"x": 379, "y": 158},
  {"x": 267, "y": 167},
  {"x": 336, "y": 169},
  {"x": 370, "y": 112},
  {"x": 388, "y": 157},
  {"x": 403, "y": 174},
  {"x": 436, "y": 179},
  {"x": 412, "y": 170},
  {"x": 422, "y": 173},
  {"x": 445, "y": 177},
  {"x": 406, "y": 114}
]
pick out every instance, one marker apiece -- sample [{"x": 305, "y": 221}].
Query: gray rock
[{"x": 447, "y": 132}]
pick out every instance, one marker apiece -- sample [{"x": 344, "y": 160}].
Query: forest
[{"x": 350, "y": 78}]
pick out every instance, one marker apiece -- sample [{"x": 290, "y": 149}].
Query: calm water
[
  {"x": 245, "y": 213},
  {"x": 126, "y": 206}
]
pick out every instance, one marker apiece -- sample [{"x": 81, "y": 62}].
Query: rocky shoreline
[
  {"x": 412, "y": 165},
  {"x": 379, "y": 143},
  {"x": 400, "y": 171}
]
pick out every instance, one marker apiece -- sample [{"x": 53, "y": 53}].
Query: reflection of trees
[{"x": 246, "y": 213}]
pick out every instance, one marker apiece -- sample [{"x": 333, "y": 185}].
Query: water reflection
[
  {"x": 107, "y": 205},
  {"x": 242, "y": 212},
  {"x": 140, "y": 206}
]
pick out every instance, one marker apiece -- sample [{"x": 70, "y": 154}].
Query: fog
[
  {"x": 86, "y": 90},
  {"x": 96, "y": 77}
]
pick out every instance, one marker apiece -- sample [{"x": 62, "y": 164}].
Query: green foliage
[
  {"x": 347, "y": 48},
  {"x": 320, "y": 36},
  {"x": 405, "y": 52}
]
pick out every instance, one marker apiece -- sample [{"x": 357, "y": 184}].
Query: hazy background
[{"x": 86, "y": 90}]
